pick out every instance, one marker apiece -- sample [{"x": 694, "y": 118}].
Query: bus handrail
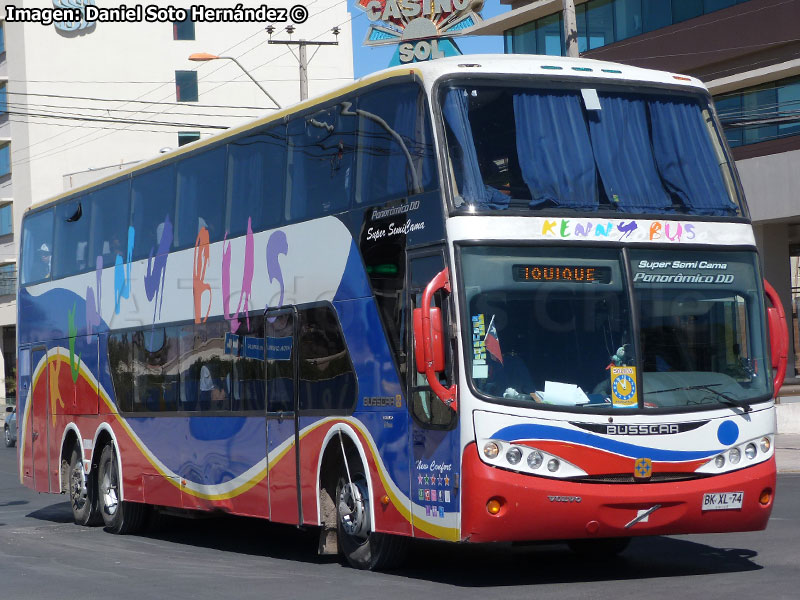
[
  {"x": 445, "y": 394},
  {"x": 778, "y": 336}
]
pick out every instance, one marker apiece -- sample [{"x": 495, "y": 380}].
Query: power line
[
  {"x": 184, "y": 104},
  {"x": 118, "y": 120},
  {"x": 77, "y": 141},
  {"x": 44, "y": 107}
]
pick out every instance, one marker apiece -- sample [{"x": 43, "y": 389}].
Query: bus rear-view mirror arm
[
  {"x": 417, "y": 188},
  {"x": 778, "y": 337},
  {"x": 429, "y": 349}
]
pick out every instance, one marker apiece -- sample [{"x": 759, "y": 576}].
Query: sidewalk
[{"x": 787, "y": 452}]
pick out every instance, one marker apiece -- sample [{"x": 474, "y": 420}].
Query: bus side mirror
[
  {"x": 437, "y": 340},
  {"x": 429, "y": 350},
  {"x": 778, "y": 336}
]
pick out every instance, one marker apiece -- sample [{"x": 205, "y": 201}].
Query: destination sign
[{"x": 572, "y": 273}]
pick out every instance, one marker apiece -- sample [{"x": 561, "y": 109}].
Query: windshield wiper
[{"x": 708, "y": 388}]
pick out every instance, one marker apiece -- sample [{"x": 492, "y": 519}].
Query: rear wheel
[
  {"x": 82, "y": 491},
  {"x": 362, "y": 547},
  {"x": 9, "y": 441},
  {"x": 118, "y": 516},
  {"x": 599, "y": 549}
]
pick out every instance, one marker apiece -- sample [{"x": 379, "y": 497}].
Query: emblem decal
[{"x": 643, "y": 468}]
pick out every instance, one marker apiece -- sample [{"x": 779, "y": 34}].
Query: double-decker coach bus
[{"x": 487, "y": 298}]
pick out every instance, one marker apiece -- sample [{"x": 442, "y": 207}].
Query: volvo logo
[{"x": 568, "y": 499}]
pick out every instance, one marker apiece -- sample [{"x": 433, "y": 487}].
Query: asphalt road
[{"x": 44, "y": 555}]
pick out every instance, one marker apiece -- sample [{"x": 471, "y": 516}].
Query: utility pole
[
  {"x": 301, "y": 56},
  {"x": 570, "y": 29}
]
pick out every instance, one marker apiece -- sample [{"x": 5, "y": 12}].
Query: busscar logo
[
  {"x": 640, "y": 428},
  {"x": 379, "y": 401},
  {"x": 566, "y": 499}
]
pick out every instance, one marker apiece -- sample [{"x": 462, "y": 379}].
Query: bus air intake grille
[{"x": 628, "y": 478}]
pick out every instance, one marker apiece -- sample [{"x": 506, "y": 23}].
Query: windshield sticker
[
  {"x": 479, "y": 341},
  {"x": 623, "y": 387},
  {"x": 698, "y": 271}
]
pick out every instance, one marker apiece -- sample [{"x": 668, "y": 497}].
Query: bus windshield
[
  {"x": 588, "y": 149},
  {"x": 563, "y": 327}
]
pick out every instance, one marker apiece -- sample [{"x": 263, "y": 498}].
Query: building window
[
  {"x": 5, "y": 159},
  {"x": 603, "y": 22},
  {"x": 3, "y": 99},
  {"x": 186, "y": 86},
  {"x": 183, "y": 30},
  {"x": 761, "y": 113},
  {"x": 187, "y": 137},
  {"x": 2, "y": 37},
  {"x": 6, "y": 219},
  {"x": 8, "y": 279}
]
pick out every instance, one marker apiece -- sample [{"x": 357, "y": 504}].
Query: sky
[{"x": 370, "y": 59}]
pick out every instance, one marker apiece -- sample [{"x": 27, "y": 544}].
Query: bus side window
[
  {"x": 247, "y": 380},
  {"x": 153, "y": 202},
  {"x": 71, "y": 234},
  {"x": 110, "y": 210},
  {"x": 255, "y": 181},
  {"x": 393, "y": 125},
  {"x": 155, "y": 369},
  {"x": 121, "y": 367},
  {"x": 206, "y": 370},
  {"x": 200, "y": 197},
  {"x": 328, "y": 145},
  {"x": 326, "y": 378},
  {"x": 425, "y": 407},
  {"x": 37, "y": 247}
]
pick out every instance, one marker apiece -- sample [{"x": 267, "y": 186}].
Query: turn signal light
[
  {"x": 765, "y": 497},
  {"x": 493, "y": 506}
]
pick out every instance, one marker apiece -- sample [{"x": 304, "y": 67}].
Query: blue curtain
[
  {"x": 554, "y": 151},
  {"x": 686, "y": 158},
  {"x": 624, "y": 155},
  {"x": 466, "y": 166}
]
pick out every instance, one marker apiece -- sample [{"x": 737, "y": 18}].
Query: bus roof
[{"x": 429, "y": 72}]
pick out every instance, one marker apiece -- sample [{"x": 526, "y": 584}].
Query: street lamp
[{"x": 205, "y": 57}]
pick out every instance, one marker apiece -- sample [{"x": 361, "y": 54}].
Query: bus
[{"x": 478, "y": 299}]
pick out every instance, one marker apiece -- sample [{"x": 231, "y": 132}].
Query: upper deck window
[{"x": 527, "y": 148}]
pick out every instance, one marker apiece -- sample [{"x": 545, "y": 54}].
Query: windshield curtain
[
  {"x": 585, "y": 150},
  {"x": 556, "y": 327}
]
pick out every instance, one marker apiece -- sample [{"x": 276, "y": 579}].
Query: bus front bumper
[{"x": 538, "y": 508}]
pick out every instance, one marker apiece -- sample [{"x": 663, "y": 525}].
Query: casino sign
[{"x": 421, "y": 29}]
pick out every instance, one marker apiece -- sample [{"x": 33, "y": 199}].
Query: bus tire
[
  {"x": 599, "y": 549},
  {"x": 119, "y": 517},
  {"x": 82, "y": 491},
  {"x": 362, "y": 547}
]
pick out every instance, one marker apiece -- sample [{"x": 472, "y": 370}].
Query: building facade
[
  {"x": 748, "y": 54},
  {"x": 79, "y": 101}
]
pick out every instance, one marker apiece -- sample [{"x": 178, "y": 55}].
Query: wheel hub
[
  {"x": 353, "y": 511},
  {"x": 78, "y": 487}
]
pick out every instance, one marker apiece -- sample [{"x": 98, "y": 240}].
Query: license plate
[{"x": 723, "y": 501}]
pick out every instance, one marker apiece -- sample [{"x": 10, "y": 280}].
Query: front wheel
[
  {"x": 362, "y": 547},
  {"x": 119, "y": 516},
  {"x": 9, "y": 441}
]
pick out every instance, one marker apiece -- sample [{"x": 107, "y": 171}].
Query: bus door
[
  {"x": 282, "y": 418},
  {"x": 435, "y": 464},
  {"x": 40, "y": 418}
]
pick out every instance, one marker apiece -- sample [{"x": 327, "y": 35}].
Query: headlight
[
  {"x": 765, "y": 445},
  {"x": 491, "y": 450},
  {"x": 535, "y": 459},
  {"x": 734, "y": 455},
  {"x": 750, "y": 451},
  {"x": 719, "y": 461},
  {"x": 552, "y": 465},
  {"x": 514, "y": 455}
]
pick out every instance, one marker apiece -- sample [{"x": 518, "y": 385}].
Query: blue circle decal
[{"x": 727, "y": 433}]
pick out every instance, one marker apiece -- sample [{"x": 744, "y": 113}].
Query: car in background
[{"x": 10, "y": 426}]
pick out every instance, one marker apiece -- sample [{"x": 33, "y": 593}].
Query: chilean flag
[{"x": 492, "y": 342}]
